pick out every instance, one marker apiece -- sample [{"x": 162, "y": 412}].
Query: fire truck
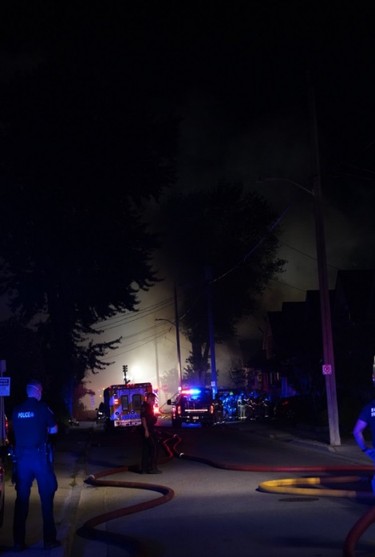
[{"x": 122, "y": 404}]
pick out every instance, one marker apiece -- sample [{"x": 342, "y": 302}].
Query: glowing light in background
[{"x": 148, "y": 347}]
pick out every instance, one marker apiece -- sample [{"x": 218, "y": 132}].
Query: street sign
[
  {"x": 327, "y": 369},
  {"x": 4, "y": 386}
]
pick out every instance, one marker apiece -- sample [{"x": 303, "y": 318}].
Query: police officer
[
  {"x": 150, "y": 439},
  {"x": 366, "y": 418},
  {"x": 32, "y": 422}
]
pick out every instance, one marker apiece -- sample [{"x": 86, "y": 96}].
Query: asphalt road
[{"x": 207, "y": 499}]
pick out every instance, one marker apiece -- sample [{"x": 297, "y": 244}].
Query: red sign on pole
[{"x": 327, "y": 369}]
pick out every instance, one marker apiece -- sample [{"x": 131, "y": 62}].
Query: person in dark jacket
[
  {"x": 366, "y": 419},
  {"x": 32, "y": 422},
  {"x": 150, "y": 439}
]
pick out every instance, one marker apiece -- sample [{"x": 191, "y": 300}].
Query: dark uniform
[
  {"x": 367, "y": 415},
  {"x": 31, "y": 421},
  {"x": 150, "y": 441}
]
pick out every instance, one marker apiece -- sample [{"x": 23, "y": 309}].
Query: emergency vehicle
[
  {"x": 193, "y": 405},
  {"x": 122, "y": 403}
]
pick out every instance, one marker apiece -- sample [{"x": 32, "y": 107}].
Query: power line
[
  {"x": 270, "y": 229},
  {"x": 282, "y": 283},
  {"x": 138, "y": 344},
  {"x": 306, "y": 254},
  {"x": 121, "y": 320}
]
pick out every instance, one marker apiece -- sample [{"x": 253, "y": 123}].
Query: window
[
  {"x": 136, "y": 402},
  {"x": 125, "y": 403}
]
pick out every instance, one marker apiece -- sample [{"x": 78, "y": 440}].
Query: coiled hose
[
  {"x": 310, "y": 486},
  {"x": 134, "y": 546}
]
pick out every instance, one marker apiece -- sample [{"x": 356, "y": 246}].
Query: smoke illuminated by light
[{"x": 274, "y": 146}]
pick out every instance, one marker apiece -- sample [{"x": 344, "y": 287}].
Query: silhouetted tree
[
  {"x": 82, "y": 145},
  {"x": 234, "y": 234}
]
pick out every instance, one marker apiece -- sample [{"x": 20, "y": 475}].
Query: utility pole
[
  {"x": 211, "y": 331},
  {"x": 177, "y": 325},
  {"x": 328, "y": 368},
  {"x": 2, "y": 411},
  {"x": 157, "y": 361}
]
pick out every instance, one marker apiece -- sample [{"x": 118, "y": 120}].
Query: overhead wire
[
  {"x": 122, "y": 319},
  {"x": 270, "y": 229},
  {"x": 283, "y": 283},
  {"x": 307, "y": 255},
  {"x": 139, "y": 344}
]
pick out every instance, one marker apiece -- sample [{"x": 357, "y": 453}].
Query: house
[{"x": 292, "y": 339}]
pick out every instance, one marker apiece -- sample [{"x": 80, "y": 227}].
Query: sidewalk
[
  {"x": 69, "y": 468},
  {"x": 316, "y": 438}
]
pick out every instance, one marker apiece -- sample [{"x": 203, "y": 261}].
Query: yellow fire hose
[{"x": 297, "y": 486}]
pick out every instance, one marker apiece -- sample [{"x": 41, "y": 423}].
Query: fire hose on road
[
  {"x": 135, "y": 547},
  {"x": 310, "y": 486}
]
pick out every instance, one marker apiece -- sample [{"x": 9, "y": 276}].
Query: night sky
[
  {"x": 235, "y": 73},
  {"x": 248, "y": 117}
]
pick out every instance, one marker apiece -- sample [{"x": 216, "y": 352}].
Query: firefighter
[
  {"x": 32, "y": 422},
  {"x": 150, "y": 441}
]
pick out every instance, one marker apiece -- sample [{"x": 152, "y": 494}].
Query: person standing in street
[
  {"x": 32, "y": 422},
  {"x": 149, "y": 436},
  {"x": 366, "y": 418}
]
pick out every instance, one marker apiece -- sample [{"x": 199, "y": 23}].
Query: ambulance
[{"x": 122, "y": 404}]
